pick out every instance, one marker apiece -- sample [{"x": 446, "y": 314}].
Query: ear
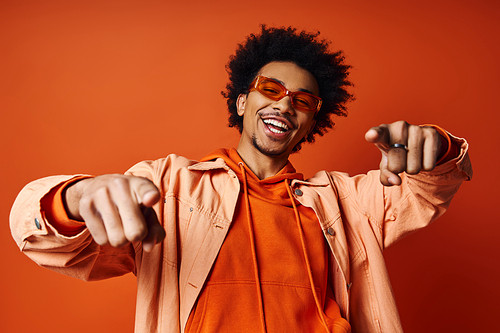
[{"x": 240, "y": 104}]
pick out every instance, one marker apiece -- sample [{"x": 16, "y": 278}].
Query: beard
[{"x": 265, "y": 150}]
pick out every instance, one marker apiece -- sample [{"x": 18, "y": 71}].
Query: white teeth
[
  {"x": 276, "y": 131},
  {"x": 276, "y": 123}
]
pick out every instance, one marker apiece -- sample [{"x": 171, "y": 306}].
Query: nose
[{"x": 284, "y": 105}]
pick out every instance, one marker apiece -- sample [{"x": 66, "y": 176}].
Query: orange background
[{"x": 96, "y": 86}]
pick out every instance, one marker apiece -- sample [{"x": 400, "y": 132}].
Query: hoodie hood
[
  {"x": 270, "y": 189},
  {"x": 232, "y": 159}
]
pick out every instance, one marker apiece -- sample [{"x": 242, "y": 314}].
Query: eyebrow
[{"x": 300, "y": 89}]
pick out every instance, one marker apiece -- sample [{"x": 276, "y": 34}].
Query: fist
[
  {"x": 117, "y": 209},
  {"x": 405, "y": 148}
]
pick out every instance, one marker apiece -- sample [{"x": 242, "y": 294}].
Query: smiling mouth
[{"x": 275, "y": 126}]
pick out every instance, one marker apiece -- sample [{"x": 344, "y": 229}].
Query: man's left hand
[{"x": 405, "y": 148}]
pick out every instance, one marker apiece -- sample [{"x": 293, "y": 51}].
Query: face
[{"x": 271, "y": 127}]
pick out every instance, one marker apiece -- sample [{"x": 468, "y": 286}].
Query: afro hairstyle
[{"x": 304, "y": 49}]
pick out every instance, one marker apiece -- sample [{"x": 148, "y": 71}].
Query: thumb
[
  {"x": 146, "y": 192},
  {"x": 388, "y": 178}
]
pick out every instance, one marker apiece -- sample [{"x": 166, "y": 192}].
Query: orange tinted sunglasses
[{"x": 274, "y": 90}]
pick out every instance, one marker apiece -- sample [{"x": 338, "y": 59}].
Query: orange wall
[{"x": 97, "y": 86}]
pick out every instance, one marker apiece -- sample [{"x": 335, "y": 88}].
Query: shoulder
[
  {"x": 344, "y": 181},
  {"x": 176, "y": 167},
  {"x": 159, "y": 167}
]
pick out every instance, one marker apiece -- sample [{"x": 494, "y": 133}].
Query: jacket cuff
[{"x": 55, "y": 212}]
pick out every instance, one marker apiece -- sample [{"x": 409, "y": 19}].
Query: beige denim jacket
[{"x": 359, "y": 218}]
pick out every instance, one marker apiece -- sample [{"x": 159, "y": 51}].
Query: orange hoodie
[{"x": 260, "y": 281}]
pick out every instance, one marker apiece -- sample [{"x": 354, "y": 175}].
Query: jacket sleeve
[
  {"x": 77, "y": 256},
  {"x": 397, "y": 211}
]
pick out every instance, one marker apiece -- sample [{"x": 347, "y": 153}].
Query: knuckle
[
  {"x": 101, "y": 240},
  {"x": 434, "y": 134},
  {"x": 144, "y": 183},
  {"x": 99, "y": 237},
  {"x": 117, "y": 240},
  {"x": 396, "y": 170},
  {"x": 395, "y": 167},
  {"x": 85, "y": 203},
  {"x": 413, "y": 170},
  {"x": 415, "y": 130},
  {"x": 430, "y": 131},
  {"x": 381, "y": 128},
  {"x": 92, "y": 223},
  {"x": 101, "y": 192},
  {"x": 428, "y": 168},
  {"x": 398, "y": 131},
  {"x": 85, "y": 199},
  {"x": 401, "y": 125},
  {"x": 137, "y": 234},
  {"x": 120, "y": 182}
]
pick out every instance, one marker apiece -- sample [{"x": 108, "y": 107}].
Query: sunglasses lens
[
  {"x": 305, "y": 102},
  {"x": 271, "y": 89},
  {"x": 275, "y": 91}
]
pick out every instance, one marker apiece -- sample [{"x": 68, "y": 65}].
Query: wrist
[{"x": 71, "y": 196}]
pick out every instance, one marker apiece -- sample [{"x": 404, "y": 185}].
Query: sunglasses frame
[{"x": 255, "y": 83}]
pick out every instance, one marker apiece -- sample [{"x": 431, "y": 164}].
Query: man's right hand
[{"x": 116, "y": 209}]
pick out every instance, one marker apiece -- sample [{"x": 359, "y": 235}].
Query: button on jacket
[{"x": 359, "y": 218}]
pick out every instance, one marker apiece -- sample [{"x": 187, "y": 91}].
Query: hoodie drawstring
[
  {"x": 254, "y": 251},
  {"x": 306, "y": 257}
]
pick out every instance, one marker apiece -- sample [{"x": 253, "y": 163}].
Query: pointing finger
[
  {"x": 378, "y": 135},
  {"x": 156, "y": 233}
]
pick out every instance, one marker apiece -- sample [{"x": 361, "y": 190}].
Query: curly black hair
[{"x": 306, "y": 51}]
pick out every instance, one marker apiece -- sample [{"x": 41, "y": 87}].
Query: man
[{"x": 239, "y": 242}]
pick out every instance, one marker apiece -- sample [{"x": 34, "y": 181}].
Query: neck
[{"x": 263, "y": 166}]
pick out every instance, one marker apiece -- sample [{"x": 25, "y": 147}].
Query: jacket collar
[
  {"x": 210, "y": 165},
  {"x": 219, "y": 163}
]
